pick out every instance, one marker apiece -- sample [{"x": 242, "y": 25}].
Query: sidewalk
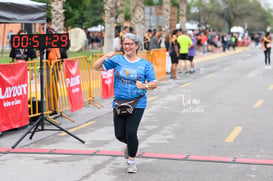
[{"x": 212, "y": 55}]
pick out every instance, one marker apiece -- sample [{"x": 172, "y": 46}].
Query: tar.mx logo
[{"x": 191, "y": 104}]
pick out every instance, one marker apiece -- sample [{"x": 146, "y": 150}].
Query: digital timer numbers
[{"x": 40, "y": 41}]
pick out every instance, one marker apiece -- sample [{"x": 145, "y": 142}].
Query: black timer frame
[{"x": 40, "y": 121}]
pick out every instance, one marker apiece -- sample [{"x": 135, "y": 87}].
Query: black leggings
[
  {"x": 126, "y": 129},
  {"x": 267, "y": 56}
]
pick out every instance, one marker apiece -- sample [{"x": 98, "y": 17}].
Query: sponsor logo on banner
[
  {"x": 73, "y": 84},
  {"x": 107, "y": 83},
  {"x": 13, "y": 96}
]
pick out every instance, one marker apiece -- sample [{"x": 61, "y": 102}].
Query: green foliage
[
  {"x": 48, "y": 11},
  {"x": 211, "y": 13},
  {"x": 84, "y": 13},
  {"x": 127, "y": 11},
  {"x": 174, "y": 3},
  {"x": 153, "y": 2}
]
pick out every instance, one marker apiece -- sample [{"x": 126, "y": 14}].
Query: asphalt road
[{"x": 218, "y": 120}]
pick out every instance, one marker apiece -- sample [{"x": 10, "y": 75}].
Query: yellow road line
[
  {"x": 210, "y": 75},
  {"x": 270, "y": 87},
  {"x": 258, "y": 103},
  {"x": 231, "y": 137},
  {"x": 152, "y": 98},
  {"x": 187, "y": 84},
  {"x": 77, "y": 128}
]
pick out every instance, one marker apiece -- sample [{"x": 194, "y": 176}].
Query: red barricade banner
[
  {"x": 107, "y": 83},
  {"x": 13, "y": 96},
  {"x": 73, "y": 84}
]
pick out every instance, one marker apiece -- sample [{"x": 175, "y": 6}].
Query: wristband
[{"x": 146, "y": 86}]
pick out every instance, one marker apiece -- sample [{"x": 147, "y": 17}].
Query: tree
[
  {"x": 166, "y": 13},
  {"x": 182, "y": 13},
  {"x": 137, "y": 18},
  {"x": 57, "y": 12},
  {"x": 203, "y": 12},
  {"x": 109, "y": 18},
  {"x": 212, "y": 13},
  {"x": 121, "y": 12}
]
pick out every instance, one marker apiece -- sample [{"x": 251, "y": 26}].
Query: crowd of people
[
  {"x": 182, "y": 46},
  {"x": 94, "y": 40}
]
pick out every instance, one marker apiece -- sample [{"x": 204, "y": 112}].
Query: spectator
[
  {"x": 124, "y": 31},
  {"x": 192, "y": 52},
  {"x": 147, "y": 38},
  {"x": 20, "y": 53},
  {"x": 204, "y": 42},
  {"x": 184, "y": 43},
  {"x": 256, "y": 38},
  {"x": 156, "y": 40},
  {"x": 233, "y": 41},
  {"x": 224, "y": 40},
  {"x": 168, "y": 58},
  {"x": 51, "y": 55},
  {"x": 90, "y": 40},
  {"x": 23, "y": 54},
  {"x": 9, "y": 37},
  {"x": 133, "y": 31},
  {"x": 174, "y": 53},
  {"x": 116, "y": 43},
  {"x": 267, "y": 49}
]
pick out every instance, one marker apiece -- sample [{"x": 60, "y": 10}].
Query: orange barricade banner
[
  {"x": 107, "y": 83},
  {"x": 13, "y": 96},
  {"x": 73, "y": 84}
]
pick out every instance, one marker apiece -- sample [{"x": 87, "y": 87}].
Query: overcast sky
[{"x": 268, "y": 2}]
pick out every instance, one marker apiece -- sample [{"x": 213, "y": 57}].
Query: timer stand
[{"x": 42, "y": 118}]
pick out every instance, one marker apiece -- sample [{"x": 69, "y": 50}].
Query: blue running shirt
[{"x": 125, "y": 75}]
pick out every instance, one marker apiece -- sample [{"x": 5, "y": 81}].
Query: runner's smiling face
[{"x": 129, "y": 47}]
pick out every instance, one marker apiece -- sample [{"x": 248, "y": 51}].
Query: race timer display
[{"x": 40, "y": 41}]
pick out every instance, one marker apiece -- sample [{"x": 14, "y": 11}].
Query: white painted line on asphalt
[
  {"x": 233, "y": 135},
  {"x": 258, "y": 103}
]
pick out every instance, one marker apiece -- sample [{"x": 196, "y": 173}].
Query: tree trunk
[
  {"x": 121, "y": 6},
  {"x": 137, "y": 16},
  {"x": 167, "y": 14},
  {"x": 182, "y": 13},
  {"x": 109, "y": 15},
  {"x": 57, "y": 12}
]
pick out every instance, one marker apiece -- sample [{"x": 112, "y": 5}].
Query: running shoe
[
  {"x": 132, "y": 168},
  {"x": 175, "y": 78},
  {"x": 269, "y": 67}
]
